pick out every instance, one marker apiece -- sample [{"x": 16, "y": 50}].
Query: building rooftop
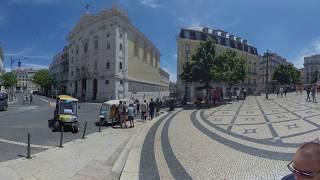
[{"x": 217, "y": 32}]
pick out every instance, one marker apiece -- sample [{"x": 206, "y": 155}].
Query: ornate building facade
[
  {"x": 109, "y": 58},
  {"x": 188, "y": 42}
]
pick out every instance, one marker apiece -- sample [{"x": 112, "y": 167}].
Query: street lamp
[
  {"x": 267, "y": 71},
  {"x": 12, "y": 61}
]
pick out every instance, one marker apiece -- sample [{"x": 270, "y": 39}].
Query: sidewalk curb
[
  {"x": 13, "y": 102},
  {"x": 120, "y": 163},
  {"x": 122, "y": 159}
]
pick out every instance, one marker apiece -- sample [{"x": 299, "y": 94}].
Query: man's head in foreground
[{"x": 306, "y": 162}]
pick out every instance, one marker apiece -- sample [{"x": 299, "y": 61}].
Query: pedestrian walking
[
  {"x": 238, "y": 94},
  {"x": 285, "y": 92},
  {"x": 281, "y": 91},
  {"x": 24, "y": 98},
  {"x": 138, "y": 107},
  {"x": 122, "y": 112},
  {"x": 278, "y": 91},
  {"x": 131, "y": 115},
  {"x": 313, "y": 93},
  {"x": 113, "y": 114},
  {"x": 151, "y": 109},
  {"x": 31, "y": 98},
  {"x": 244, "y": 93},
  {"x": 308, "y": 95},
  {"x": 144, "y": 110}
]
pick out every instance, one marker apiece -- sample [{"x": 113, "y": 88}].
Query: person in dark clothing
[
  {"x": 151, "y": 108},
  {"x": 138, "y": 107},
  {"x": 308, "y": 95},
  {"x": 285, "y": 92},
  {"x": 31, "y": 98}
]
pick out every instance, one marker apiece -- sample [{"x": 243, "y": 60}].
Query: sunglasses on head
[{"x": 304, "y": 174}]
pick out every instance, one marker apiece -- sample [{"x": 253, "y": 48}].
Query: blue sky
[{"x": 37, "y": 29}]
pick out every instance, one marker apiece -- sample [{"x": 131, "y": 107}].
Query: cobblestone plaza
[{"x": 251, "y": 139}]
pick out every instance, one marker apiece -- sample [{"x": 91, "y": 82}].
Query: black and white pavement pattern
[{"x": 251, "y": 139}]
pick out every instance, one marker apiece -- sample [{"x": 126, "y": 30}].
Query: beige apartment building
[
  {"x": 2, "y": 70},
  {"x": 24, "y": 80},
  {"x": 188, "y": 42},
  {"x": 274, "y": 60},
  {"x": 109, "y": 58}
]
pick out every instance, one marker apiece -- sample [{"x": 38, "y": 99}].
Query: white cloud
[
  {"x": 311, "y": 49},
  {"x": 28, "y": 53},
  {"x": 34, "y": 66},
  {"x": 151, "y": 3},
  {"x": 173, "y": 75},
  {"x": 7, "y": 69},
  {"x": 175, "y": 56}
]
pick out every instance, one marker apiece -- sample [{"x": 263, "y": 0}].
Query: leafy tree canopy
[
  {"x": 8, "y": 79},
  {"x": 43, "y": 78},
  {"x": 233, "y": 70},
  {"x": 286, "y": 74}
]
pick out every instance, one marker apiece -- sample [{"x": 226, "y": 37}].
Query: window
[
  {"x": 120, "y": 36},
  {"x": 108, "y": 35},
  {"x": 108, "y": 65},
  {"x": 77, "y": 51},
  {"x": 107, "y": 81},
  {"x": 187, "y": 47},
  {"x": 71, "y": 73},
  {"x": 108, "y": 45},
  {"x": 85, "y": 48},
  {"x": 121, "y": 81},
  {"x": 96, "y": 44},
  {"x": 120, "y": 65},
  {"x": 120, "y": 46}
]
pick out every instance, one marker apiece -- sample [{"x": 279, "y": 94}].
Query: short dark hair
[{"x": 310, "y": 151}]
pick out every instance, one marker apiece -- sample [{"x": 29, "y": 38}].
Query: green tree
[
  {"x": 8, "y": 79},
  {"x": 186, "y": 75},
  {"x": 205, "y": 67},
  {"x": 286, "y": 74},
  {"x": 44, "y": 79},
  {"x": 233, "y": 71}
]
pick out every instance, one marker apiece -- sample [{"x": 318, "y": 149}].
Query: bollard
[
  {"x": 61, "y": 137},
  {"x": 84, "y": 130},
  {"x": 28, "y": 151},
  {"x": 99, "y": 126}
]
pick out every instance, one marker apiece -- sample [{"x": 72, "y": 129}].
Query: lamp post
[
  {"x": 267, "y": 73},
  {"x": 12, "y": 61}
]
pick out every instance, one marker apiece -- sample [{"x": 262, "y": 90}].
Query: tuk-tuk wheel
[
  {"x": 57, "y": 125},
  {"x": 75, "y": 129}
]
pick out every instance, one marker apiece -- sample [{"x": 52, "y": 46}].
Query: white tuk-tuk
[{"x": 108, "y": 109}]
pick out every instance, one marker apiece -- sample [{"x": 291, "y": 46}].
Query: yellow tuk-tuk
[{"x": 66, "y": 113}]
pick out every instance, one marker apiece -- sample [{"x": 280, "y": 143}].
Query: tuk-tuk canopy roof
[
  {"x": 67, "y": 98},
  {"x": 116, "y": 101}
]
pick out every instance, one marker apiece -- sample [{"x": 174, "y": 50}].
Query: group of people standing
[
  {"x": 241, "y": 94},
  {"x": 27, "y": 98},
  {"x": 282, "y": 91},
  {"x": 313, "y": 91},
  {"x": 124, "y": 112}
]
